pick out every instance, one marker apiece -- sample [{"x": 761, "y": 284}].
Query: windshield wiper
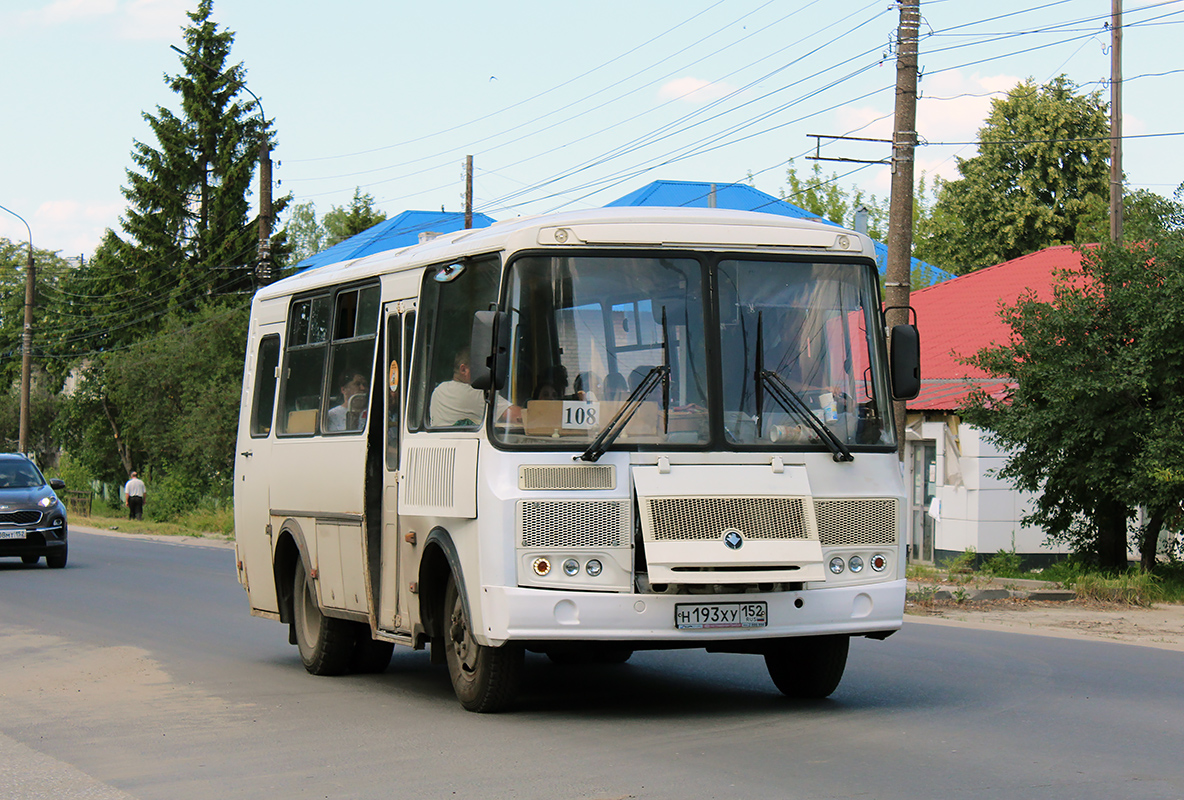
[
  {"x": 616, "y": 425},
  {"x": 789, "y": 400},
  {"x": 793, "y": 404}
]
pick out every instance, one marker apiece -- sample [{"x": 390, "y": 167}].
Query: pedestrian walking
[{"x": 135, "y": 491}]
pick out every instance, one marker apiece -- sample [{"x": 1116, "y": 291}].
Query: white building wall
[{"x": 977, "y": 509}]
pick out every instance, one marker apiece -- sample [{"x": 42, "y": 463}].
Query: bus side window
[
  {"x": 304, "y": 365},
  {"x": 266, "y": 362},
  {"x": 446, "y": 311},
  {"x": 355, "y": 331}
]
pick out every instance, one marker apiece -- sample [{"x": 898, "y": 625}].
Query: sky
[{"x": 562, "y": 105}]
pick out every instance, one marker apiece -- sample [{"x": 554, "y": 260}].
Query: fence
[{"x": 79, "y": 503}]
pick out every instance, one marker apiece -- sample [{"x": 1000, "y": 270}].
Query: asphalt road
[{"x": 138, "y": 672}]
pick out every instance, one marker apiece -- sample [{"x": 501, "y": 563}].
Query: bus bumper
[{"x": 514, "y": 613}]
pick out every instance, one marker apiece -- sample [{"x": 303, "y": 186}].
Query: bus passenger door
[
  {"x": 252, "y": 465},
  {"x": 399, "y": 319}
]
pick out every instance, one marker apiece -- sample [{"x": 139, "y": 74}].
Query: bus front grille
[
  {"x": 573, "y": 523},
  {"x": 707, "y": 518},
  {"x": 856, "y": 522},
  {"x": 574, "y": 476}
]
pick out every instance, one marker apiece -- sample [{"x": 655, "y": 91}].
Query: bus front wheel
[
  {"x": 484, "y": 678},
  {"x": 810, "y": 667},
  {"x": 326, "y": 644}
]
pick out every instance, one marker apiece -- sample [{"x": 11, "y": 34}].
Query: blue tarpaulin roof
[
  {"x": 404, "y": 230},
  {"x": 742, "y": 197},
  {"x": 392, "y": 234}
]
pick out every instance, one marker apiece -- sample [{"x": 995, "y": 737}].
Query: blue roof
[
  {"x": 404, "y": 230},
  {"x": 392, "y": 234},
  {"x": 742, "y": 197}
]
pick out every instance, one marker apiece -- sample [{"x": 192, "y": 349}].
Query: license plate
[
  {"x": 12, "y": 534},
  {"x": 720, "y": 615}
]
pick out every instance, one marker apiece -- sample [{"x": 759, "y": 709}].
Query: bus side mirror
[
  {"x": 905, "y": 355},
  {"x": 489, "y": 349}
]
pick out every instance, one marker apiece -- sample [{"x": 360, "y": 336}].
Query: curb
[{"x": 974, "y": 595}]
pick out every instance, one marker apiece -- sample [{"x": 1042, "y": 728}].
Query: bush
[
  {"x": 171, "y": 496},
  {"x": 1134, "y": 588},
  {"x": 1004, "y": 564}
]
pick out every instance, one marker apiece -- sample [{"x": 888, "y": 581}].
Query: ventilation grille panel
[
  {"x": 430, "y": 472},
  {"x": 856, "y": 523},
  {"x": 555, "y": 477},
  {"x": 706, "y": 518},
  {"x": 573, "y": 523}
]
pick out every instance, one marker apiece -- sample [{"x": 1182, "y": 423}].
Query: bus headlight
[
  {"x": 571, "y": 568},
  {"x": 855, "y": 564},
  {"x": 593, "y": 567},
  {"x": 837, "y": 565}
]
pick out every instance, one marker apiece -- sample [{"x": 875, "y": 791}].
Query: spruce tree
[{"x": 187, "y": 240}]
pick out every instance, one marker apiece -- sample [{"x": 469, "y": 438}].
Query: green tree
[
  {"x": 306, "y": 234},
  {"x": 167, "y": 405},
  {"x": 1092, "y": 421},
  {"x": 342, "y": 222},
  {"x": 1042, "y": 170},
  {"x": 186, "y": 233},
  {"x": 1145, "y": 216},
  {"x": 822, "y": 196}
]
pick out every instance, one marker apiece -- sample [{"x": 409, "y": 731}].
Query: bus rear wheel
[
  {"x": 484, "y": 678},
  {"x": 326, "y": 644},
  {"x": 810, "y": 667}
]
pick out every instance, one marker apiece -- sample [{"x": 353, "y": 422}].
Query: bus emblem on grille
[{"x": 733, "y": 539}]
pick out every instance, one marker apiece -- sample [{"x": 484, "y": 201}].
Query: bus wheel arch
[
  {"x": 289, "y": 548},
  {"x": 438, "y": 562}
]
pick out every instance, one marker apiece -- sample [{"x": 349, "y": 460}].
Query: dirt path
[{"x": 1159, "y": 626}]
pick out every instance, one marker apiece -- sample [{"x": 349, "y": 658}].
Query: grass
[
  {"x": 1134, "y": 587},
  {"x": 210, "y": 524}
]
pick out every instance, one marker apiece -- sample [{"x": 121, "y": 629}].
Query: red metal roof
[{"x": 958, "y": 318}]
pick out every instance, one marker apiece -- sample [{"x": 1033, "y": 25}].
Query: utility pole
[
  {"x": 26, "y": 341},
  {"x": 263, "y": 268},
  {"x": 900, "y": 210},
  {"x": 1116, "y": 120},
  {"x": 468, "y": 192},
  {"x": 263, "y": 274}
]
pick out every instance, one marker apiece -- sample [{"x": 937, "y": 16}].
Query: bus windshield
[{"x": 587, "y": 331}]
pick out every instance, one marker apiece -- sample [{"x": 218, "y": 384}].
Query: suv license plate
[
  {"x": 12, "y": 534},
  {"x": 720, "y": 615}
]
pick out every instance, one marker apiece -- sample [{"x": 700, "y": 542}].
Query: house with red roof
[{"x": 957, "y": 501}]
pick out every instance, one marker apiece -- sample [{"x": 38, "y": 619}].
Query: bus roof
[{"x": 698, "y": 228}]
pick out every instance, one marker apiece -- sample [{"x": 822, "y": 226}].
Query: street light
[
  {"x": 26, "y": 341},
  {"x": 263, "y": 267}
]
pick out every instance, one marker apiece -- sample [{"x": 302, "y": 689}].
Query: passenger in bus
[
  {"x": 552, "y": 385},
  {"x": 584, "y": 387},
  {"x": 455, "y": 402},
  {"x": 350, "y": 414},
  {"x": 615, "y": 388}
]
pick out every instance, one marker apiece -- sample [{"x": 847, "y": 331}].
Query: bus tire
[
  {"x": 371, "y": 656},
  {"x": 810, "y": 667},
  {"x": 326, "y": 644},
  {"x": 484, "y": 678},
  {"x": 589, "y": 655}
]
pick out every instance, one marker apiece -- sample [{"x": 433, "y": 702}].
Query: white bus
[{"x": 580, "y": 435}]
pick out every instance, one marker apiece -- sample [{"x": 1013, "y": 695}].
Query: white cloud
[
  {"x": 128, "y": 19},
  {"x": 694, "y": 90},
  {"x": 153, "y": 19},
  {"x": 952, "y": 107}
]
